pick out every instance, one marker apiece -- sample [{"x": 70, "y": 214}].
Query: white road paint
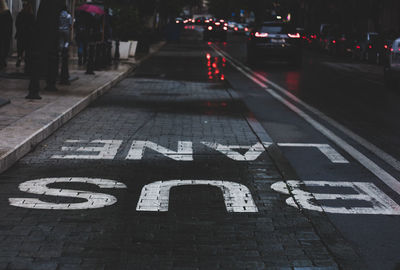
[
  {"x": 107, "y": 151},
  {"x": 384, "y": 176},
  {"x": 92, "y": 199},
  {"x": 380, "y": 203},
  {"x": 184, "y": 152},
  {"x": 325, "y": 149},
  {"x": 155, "y": 196},
  {"x": 389, "y": 159},
  {"x": 254, "y": 151}
]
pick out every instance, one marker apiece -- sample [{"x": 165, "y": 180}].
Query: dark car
[
  {"x": 275, "y": 40},
  {"x": 342, "y": 44},
  {"x": 216, "y": 30},
  {"x": 392, "y": 66},
  {"x": 364, "y": 48}
]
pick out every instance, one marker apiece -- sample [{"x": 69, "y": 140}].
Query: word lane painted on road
[
  {"x": 108, "y": 149},
  {"x": 154, "y": 197}
]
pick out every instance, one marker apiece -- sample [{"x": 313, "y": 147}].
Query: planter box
[{"x": 124, "y": 49}]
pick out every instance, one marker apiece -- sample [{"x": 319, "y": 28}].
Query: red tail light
[
  {"x": 297, "y": 35},
  {"x": 217, "y": 23},
  {"x": 334, "y": 41},
  {"x": 210, "y": 28},
  {"x": 236, "y": 28},
  {"x": 358, "y": 47},
  {"x": 370, "y": 46},
  {"x": 261, "y": 35},
  {"x": 225, "y": 28},
  {"x": 246, "y": 29},
  {"x": 386, "y": 46}
]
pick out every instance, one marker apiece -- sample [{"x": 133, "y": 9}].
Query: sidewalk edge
[{"x": 9, "y": 158}]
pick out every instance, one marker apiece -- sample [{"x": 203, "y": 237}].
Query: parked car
[
  {"x": 275, "y": 40},
  {"x": 341, "y": 44},
  {"x": 215, "y": 30},
  {"x": 392, "y": 66},
  {"x": 365, "y": 45}
]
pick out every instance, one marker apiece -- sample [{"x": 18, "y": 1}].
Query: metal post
[
  {"x": 116, "y": 55},
  {"x": 90, "y": 60},
  {"x": 64, "y": 77}
]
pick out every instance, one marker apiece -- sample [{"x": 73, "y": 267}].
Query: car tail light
[
  {"x": 177, "y": 21},
  {"x": 221, "y": 20},
  {"x": 217, "y": 23},
  {"x": 236, "y": 28},
  {"x": 246, "y": 29},
  {"x": 358, "y": 47},
  {"x": 386, "y": 46},
  {"x": 225, "y": 28},
  {"x": 261, "y": 35},
  {"x": 297, "y": 35},
  {"x": 210, "y": 28},
  {"x": 208, "y": 56},
  {"x": 334, "y": 41},
  {"x": 370, "y": 46},
  {"x": 207, "y": 21},
  {"x": 226, "y": 24},
  {"x": 391, "y": 49}
]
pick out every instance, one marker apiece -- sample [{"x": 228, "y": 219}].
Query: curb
[{"x": 10, "y": 157}]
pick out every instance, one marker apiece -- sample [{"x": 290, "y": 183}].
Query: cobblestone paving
[{"x": 196, "y": 232}]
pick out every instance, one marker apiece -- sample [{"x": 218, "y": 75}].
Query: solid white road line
[
  {"x": 363, "y": 142},
  {"x": 385, "y": 177}
]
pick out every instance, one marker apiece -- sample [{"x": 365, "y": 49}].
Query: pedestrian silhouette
[
  {"x": 45, "y": 47},
  {"x": 24, "y": 25},
  {"x": 6, "y": 24}
]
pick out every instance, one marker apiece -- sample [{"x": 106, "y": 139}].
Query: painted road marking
[
  {"x": 371, "y": 147},
  {"x": 40, "y": 187},
  {"x": 379, "y": 203},
  {"x": 384, "y": 176},
  {"x": 155, "y": 196},
  {"x": 107, "y": 151},
  {"x": 325, "y": 149},
  {"x": 254, "y": 151},
  {"x": 184, "y": 152}
]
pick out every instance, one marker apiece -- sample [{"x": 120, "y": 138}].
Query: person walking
[
  {"x": 82, "y": 33},
  {"x": 45, "y": 47},
  {"x": 24, "y": 25},
  {"x": 6, "y": 24},
  {"x": 64, "y": 28}
]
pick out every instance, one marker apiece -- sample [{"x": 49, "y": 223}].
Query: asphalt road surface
[{"x": 199, "y": 161}]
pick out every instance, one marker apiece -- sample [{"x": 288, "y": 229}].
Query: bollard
[
  {"x": 97, "y": 58},
  {"x": 64, "y": 77},
  {"x": 90, "y": 60},
  {"x": 116, "y": 55},
  {"x": 108, "y": 53}
]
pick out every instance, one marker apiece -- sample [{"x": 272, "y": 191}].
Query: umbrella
[{"x": 91, "y": 9}]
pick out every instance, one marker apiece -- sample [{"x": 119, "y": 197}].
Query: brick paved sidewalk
[{"x": 24, "y": 123}]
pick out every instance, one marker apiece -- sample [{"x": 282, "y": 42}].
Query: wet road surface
[{"x": 190, "y": 164}]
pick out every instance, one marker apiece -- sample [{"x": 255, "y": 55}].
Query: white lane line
[
  {"x": 385, "y": 177},
  {"x": 325, "y": 149},
  {"x": 389, "y": 159}
]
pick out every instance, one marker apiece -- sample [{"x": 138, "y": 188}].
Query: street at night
[{"x": 217, "y": 147}]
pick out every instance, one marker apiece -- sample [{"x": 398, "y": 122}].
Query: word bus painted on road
[{"x": 154, "y": 197}]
